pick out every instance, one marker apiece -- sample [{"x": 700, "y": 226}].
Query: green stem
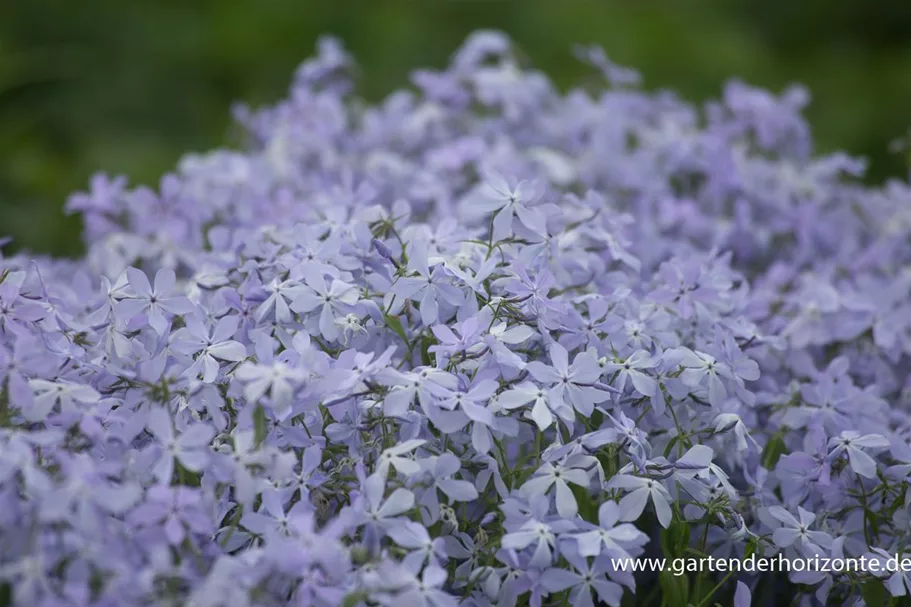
[{"x": 707, "y": 597}]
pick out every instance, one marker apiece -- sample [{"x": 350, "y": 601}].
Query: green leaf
[
  {"x": 186, "y": 477},
  {"x": 597, "y": 418},
  {"x": 4, "y": 406},
  {"x": 675, "y": 589},
  {"x": 608, "y": 458},
  {"x": 587, "y": 509},
  {"x": 670, "y": 445},
  {"x": 426, "y": 358},
  {"x": 751, "y": 547},
  {"x": 260, "y": 425},
  {"x": 676, "y": 538},
  {"x": 360, "y": 555},
  {"x": 774, "y": 449},
  {"x": 395, "y": 324},
  {"x": 352, "y": 599},
  {"x": 874, "y": 593},
  {"x": 629, "y": 600}
]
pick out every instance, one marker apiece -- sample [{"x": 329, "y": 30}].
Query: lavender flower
[{"x": 447, "y": 349}]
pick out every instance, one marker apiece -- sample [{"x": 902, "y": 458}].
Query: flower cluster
[{"x": 468, "y": 346}]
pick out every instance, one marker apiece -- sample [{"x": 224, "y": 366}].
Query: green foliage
[
  {"x": 874, "y": 593},
  {"x": 130, "y": 86},
  {"x": 773, "y": 450},
  {"x": 675, "y": 589},
  {"x": 675, "y": 539},
  {"x": 588, "y": 509},
  {"x": 260, "y": 425},
  {"x": 395, "y": 324}
]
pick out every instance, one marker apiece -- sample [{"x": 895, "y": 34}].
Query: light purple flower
[
  {"x": 640, "y": 492},
  {"x": 497, "y": 195},
  {"x": 189, "y": 447},
  {"x": 570, "y": 383},
  {"x": 546, "y": 403},
  {"x": 852, "y": 444},
  {"x": 557, "y": 476},
  {"x": 610, "y": 538},
  {"x": 330, "y": 301},
  {"x": 797, "y": 531},
  {"x": 155, "y": 303},
  {"x": 209, "y": 347},
  {"x": 634, "y": 369}
]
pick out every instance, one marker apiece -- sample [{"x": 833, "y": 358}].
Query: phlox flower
[
  {"x": 640, "y": 492},
  {"x": 441, "y": 472},
  {"x": 797, "y": 531},
  {"x": 331, "y": 301},
  {"x": 852, "y": 444},
  {"x": 189, "y": 447},
  {"x": 509, "y": 201},
  {"x": 570, "y": 383},
  {"x": 155, "y": 303},
  {"x": 609, "y": 537},
  {"x": 586, "y": 581},
  {"x": 557, "y": 476},
  {"x": 210, "y": 347}
]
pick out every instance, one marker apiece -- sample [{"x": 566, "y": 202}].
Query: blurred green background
[{"x": 127, "y": 86}]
